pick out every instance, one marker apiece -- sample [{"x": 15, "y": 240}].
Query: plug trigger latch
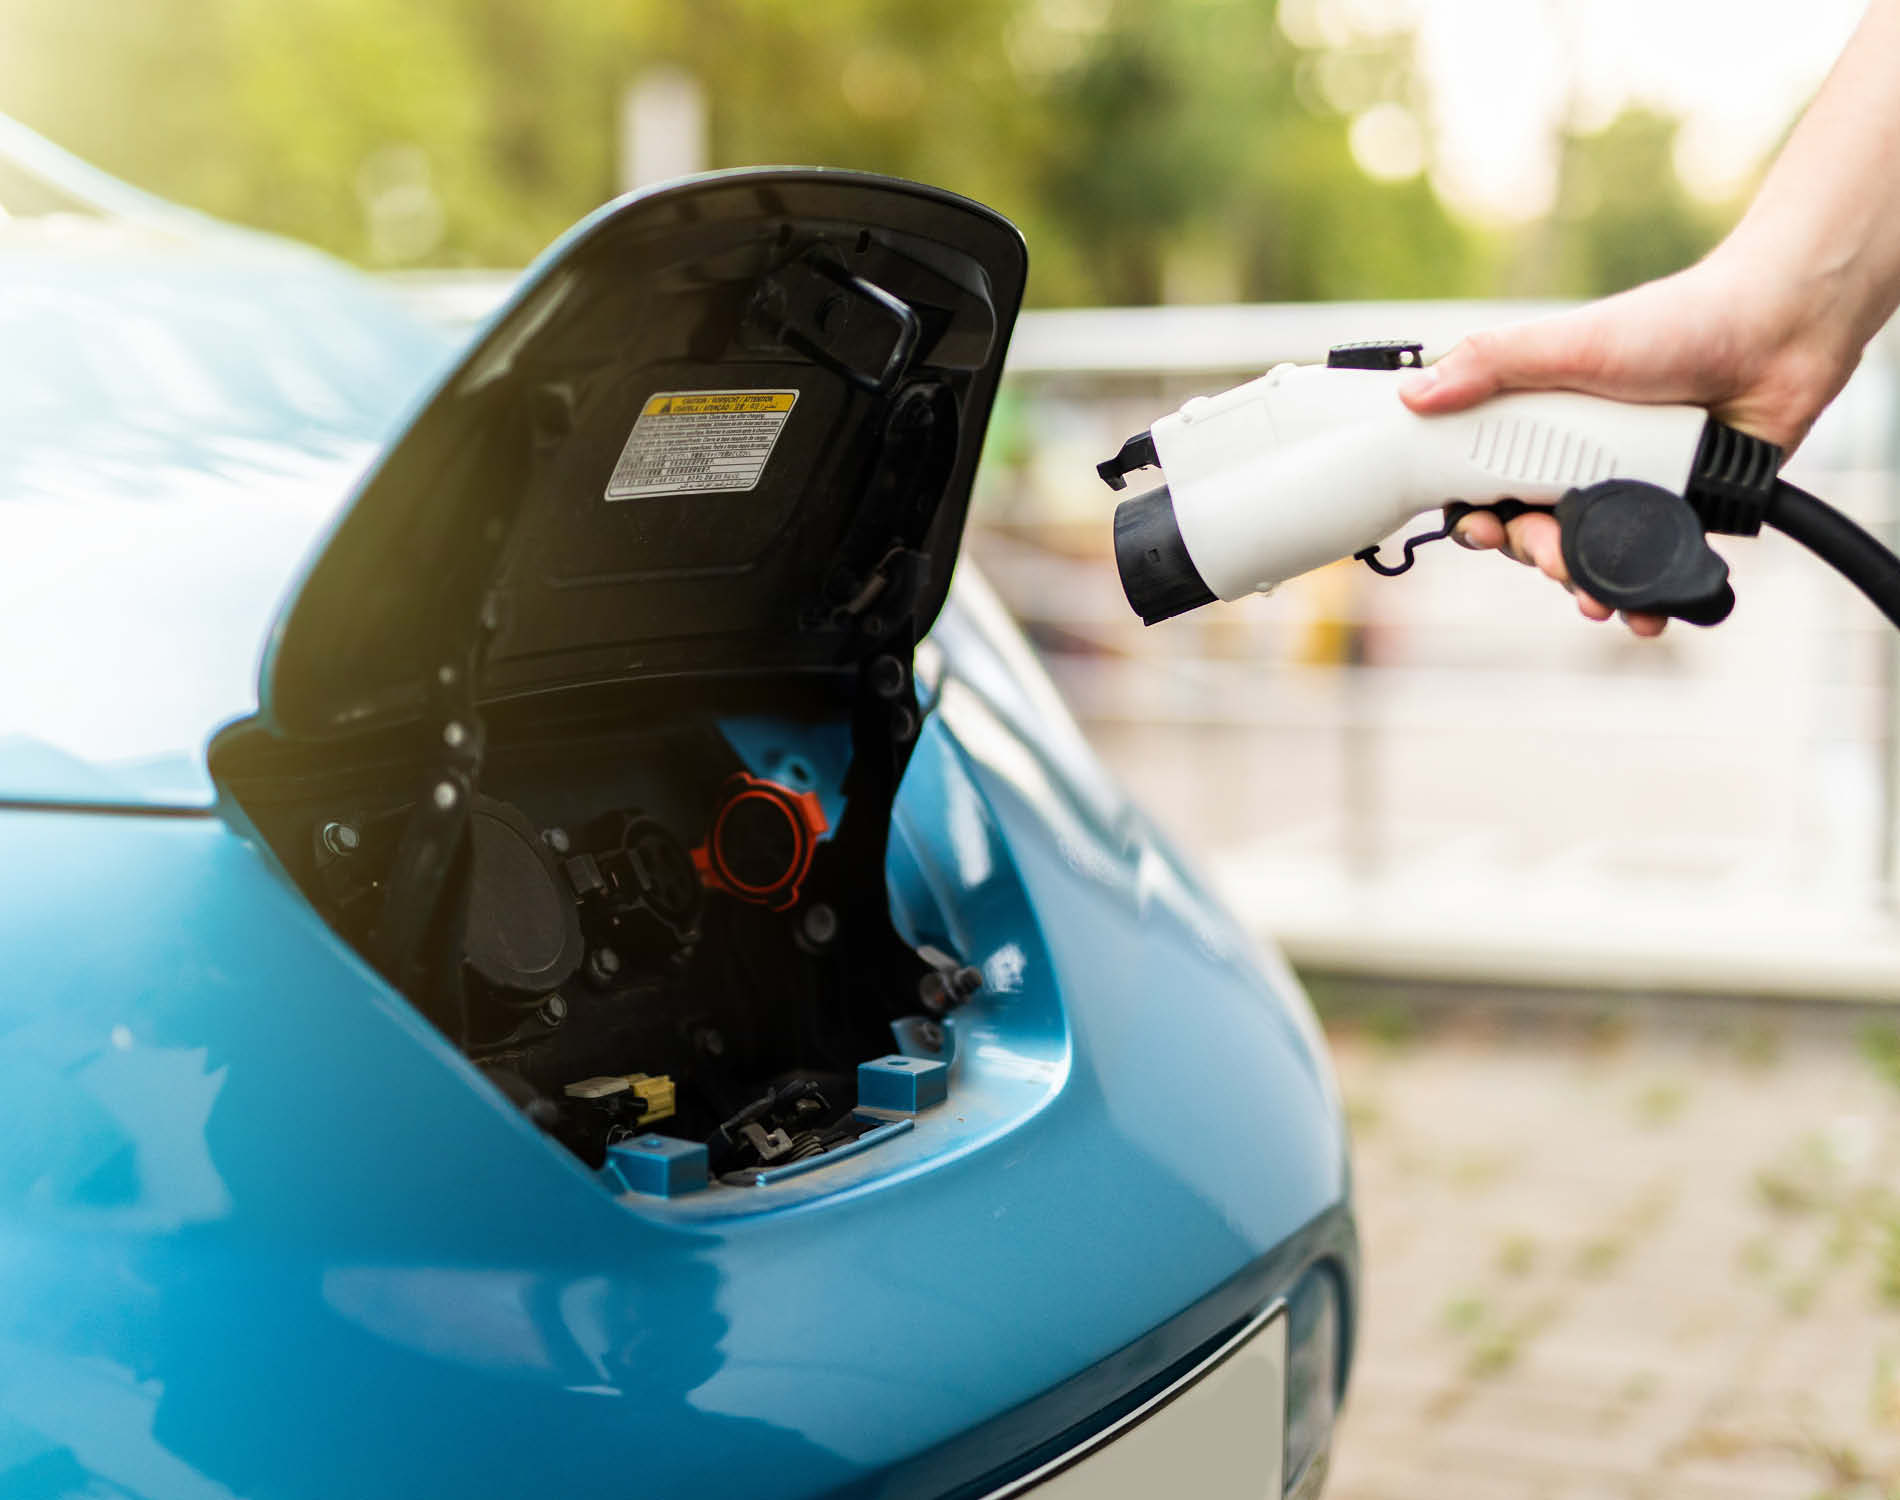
[
  {"x": 1505, "y": 510},
  {"x": 1370, "y": 555},
  {"x": 1137, "y": 453}
]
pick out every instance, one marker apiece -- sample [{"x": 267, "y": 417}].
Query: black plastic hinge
[{"x": 849, "y": 325}]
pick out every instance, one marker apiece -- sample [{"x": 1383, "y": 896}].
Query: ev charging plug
[{"x": 1310, "y": 464}]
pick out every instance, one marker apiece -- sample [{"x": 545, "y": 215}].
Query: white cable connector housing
[{"x": 1309, "y": 464}]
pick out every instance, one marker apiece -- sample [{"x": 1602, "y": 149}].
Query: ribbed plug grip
[{"x": 1732, "y": 480}]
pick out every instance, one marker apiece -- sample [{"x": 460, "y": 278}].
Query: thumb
[
  {"x": 1461, "y": 378},
  {"x": 1539, "y": 355}
]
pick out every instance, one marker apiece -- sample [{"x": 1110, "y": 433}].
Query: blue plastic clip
[
  {"x": 656, "y": 1164},
  {"x": 902, "y": 1085}
]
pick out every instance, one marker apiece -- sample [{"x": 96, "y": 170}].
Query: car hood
[
  {"x": 725, "y": 425},
  {"x": 180, "y": 417}
]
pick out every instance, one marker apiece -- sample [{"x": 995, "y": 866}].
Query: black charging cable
[{"x": 1843, "y": 545}]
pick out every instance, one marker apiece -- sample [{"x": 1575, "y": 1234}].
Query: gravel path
[{"x": 1637, "y": 1250}]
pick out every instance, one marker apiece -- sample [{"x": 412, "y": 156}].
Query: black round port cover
[
  {"x": 523, "y": 930},
  {"x": 663, "y": 870}
]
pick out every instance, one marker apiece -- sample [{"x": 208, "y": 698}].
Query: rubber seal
[
  {"x": 763, "y": 838},
  {"x": 1157, "y": 574}
]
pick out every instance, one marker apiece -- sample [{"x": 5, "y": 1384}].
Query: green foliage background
[{"x": 1150, "y": 149}]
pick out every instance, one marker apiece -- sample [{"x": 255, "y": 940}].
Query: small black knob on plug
[
  {"x": 1640, "y": 547},
  {"x": 1377, "y": 354}
]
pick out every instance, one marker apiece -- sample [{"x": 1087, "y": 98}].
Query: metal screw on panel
[
  {"x": 820, "y": 924},
  {"x": 556, "y": 839},
  {"x": 603, "y": 967},
  {"x": 552, "y": 1010},
  {"x": 454, "y": 735},
  {"x": 942, "y": 990},
  {"x": 903, "y": 724},
  {"x": 444, "y": 795},
  {"x": 888, "y": 676},
  {"x": 709, "y": 1041},
  {"x": 445, "y": 674},
  {"x": 916, "y": 414},
  {"x": 341, "y": 839}
]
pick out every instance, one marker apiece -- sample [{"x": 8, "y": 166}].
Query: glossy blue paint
[
  {"x": 264, "y": 1232},
  {"x": 183, "y": 407},
  {"x": 261, "y": 1229}
]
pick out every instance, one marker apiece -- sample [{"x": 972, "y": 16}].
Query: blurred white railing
[{"x": 1453, "y": 774}]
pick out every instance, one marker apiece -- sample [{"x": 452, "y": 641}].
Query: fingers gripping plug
[{"x": 1633, "y": 546}]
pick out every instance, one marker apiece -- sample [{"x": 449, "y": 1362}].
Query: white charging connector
[{"x": 1309, "y": 464}]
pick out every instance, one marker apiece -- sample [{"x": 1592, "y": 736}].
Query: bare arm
[{"x": 1764, "y": 331}]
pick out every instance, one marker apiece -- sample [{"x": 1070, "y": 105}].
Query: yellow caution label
[
  {"x": 687, "y": 442},
  {"x": 715, "y": 403}
]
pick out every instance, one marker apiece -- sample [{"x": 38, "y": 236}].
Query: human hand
[{"x": 1714, "y": 336}]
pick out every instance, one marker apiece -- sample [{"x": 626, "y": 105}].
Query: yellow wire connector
[{"x": 656, "y": 1092}]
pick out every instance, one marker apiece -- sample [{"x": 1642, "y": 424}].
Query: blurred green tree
[
  {"x": 1150, "y": 149},
  {"x": 1622, "y": 213}
]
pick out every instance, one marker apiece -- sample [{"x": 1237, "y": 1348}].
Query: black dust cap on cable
[{"x": 1636, "y": 546}]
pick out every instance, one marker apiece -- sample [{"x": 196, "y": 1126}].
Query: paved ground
[{"x": 1649, "y": 1250}]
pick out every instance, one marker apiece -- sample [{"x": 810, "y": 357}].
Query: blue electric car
[{"x": 548, "y": 949}]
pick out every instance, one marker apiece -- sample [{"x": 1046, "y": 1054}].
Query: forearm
[
  {"x": 1763, "y": 332},
  {"x": 1824, "y": 230}
]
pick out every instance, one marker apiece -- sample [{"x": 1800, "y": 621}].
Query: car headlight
[{"x": 1312, "y": 1381}]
